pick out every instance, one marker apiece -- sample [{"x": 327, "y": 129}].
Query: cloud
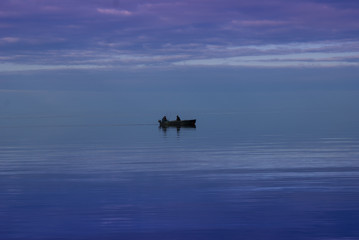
[
  {"x": 312, "y": 54},
  {"x": 317, "y": 54},
  {"x": 167, "y": 33},
  {"x": 8, "y": 13},
  {"x": 268, "y": 61},
  {"x": 50, "y": 8},
  {"x": 16, "y": 67},
  {"x": 114, "y": 12},
  {"x": 9, "y": 40},
  {"x": 258, "y": 23}
]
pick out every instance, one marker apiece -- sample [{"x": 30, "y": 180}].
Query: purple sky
[{"x": 60, "y": 34}]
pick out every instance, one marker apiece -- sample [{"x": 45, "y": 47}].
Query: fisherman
[
  {"x": 164, "y": 119},
  {"x": 178, "y": 118}
]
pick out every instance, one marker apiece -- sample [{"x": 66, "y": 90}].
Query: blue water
[{"x": 225, "y": 179}]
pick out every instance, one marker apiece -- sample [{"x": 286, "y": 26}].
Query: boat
[{"x": 178, "y": 123}]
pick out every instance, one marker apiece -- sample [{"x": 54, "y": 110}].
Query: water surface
[{"x": 137, "y": 181}]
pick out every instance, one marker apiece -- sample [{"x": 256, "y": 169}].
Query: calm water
[{"x": 227, "y": 181}]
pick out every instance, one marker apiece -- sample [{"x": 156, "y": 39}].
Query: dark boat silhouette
[{"x": 178, "y": 123}]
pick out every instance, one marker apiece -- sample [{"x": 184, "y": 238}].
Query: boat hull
[{"x": 182, "y": 123}]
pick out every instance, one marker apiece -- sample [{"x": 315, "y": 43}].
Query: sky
[
  {"x": 52, "y": 51},
  {"x": 66, "y": 34}
]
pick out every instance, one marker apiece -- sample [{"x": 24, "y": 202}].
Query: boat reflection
[{"x": 178, "y": 128}]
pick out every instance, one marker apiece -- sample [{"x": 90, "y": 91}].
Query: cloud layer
[{"x": 124, "y": 33}]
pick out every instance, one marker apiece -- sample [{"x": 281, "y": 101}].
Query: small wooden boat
[{"x": 180, "y": 123}]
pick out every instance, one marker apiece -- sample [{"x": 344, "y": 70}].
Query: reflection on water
[
  {"x": 123, "y": 182},
  {"x": 177, "y": 128}
]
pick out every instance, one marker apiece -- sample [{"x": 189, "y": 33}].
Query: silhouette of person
[
  {"x": 164, "y": 119},
  {"x": 178, "y": 118}
]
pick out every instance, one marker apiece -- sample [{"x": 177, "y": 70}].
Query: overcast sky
[{"x": 79, "y": 34}]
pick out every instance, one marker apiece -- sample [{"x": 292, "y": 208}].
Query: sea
[{"x": 237, "y": 175}]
